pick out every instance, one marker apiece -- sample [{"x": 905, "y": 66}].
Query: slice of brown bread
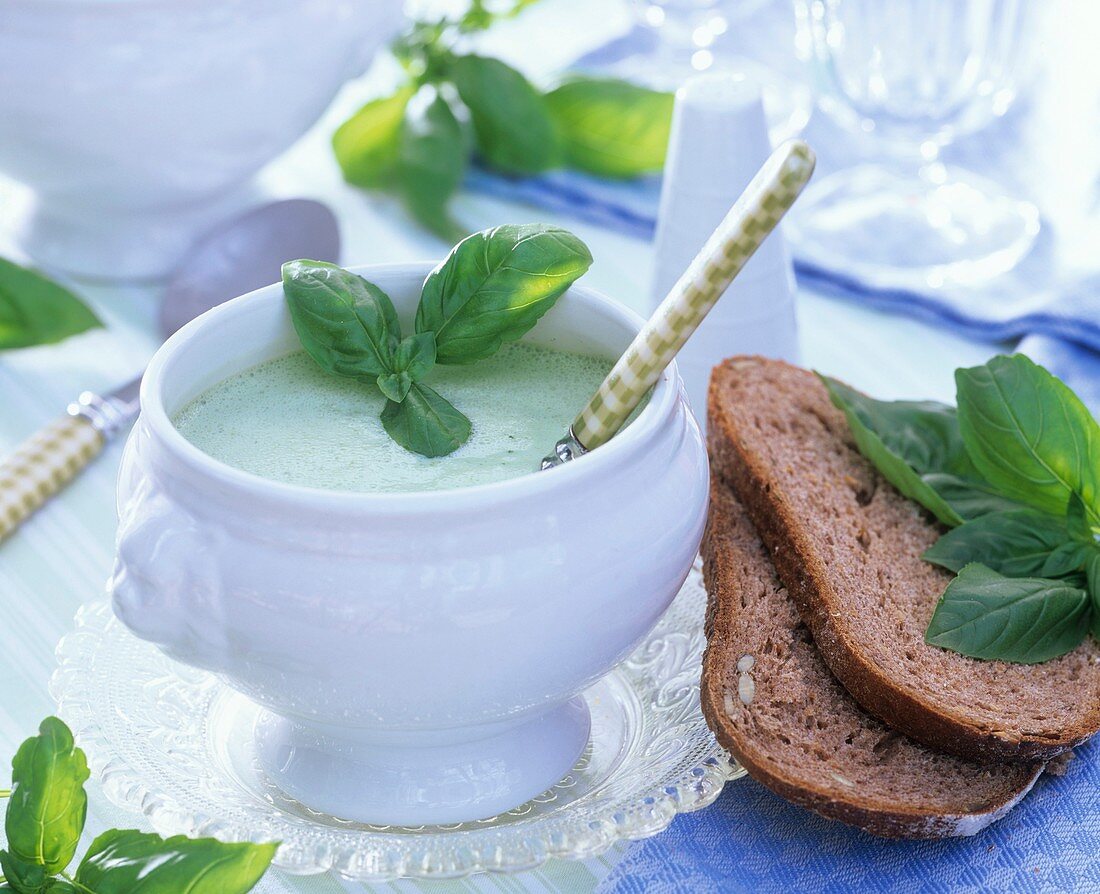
[
  {"x": 774, "y": 705},
  {"x": 848, "y": 547}
]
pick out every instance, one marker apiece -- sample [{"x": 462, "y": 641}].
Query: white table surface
[{"x": 62, "y": 557}]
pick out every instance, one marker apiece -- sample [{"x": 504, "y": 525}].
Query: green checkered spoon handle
[{"x": 753, "y": 216}]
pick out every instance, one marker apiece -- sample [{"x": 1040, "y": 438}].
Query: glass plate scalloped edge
[{"x": 143, "y": 727}]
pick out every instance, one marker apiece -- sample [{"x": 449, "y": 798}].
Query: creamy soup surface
[{"x": 289, "y": 421}]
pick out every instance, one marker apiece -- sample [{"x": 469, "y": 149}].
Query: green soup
[{"x": 288, "y": 421}]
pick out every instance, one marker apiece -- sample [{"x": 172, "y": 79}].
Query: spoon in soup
[
  {"x": 236, "y": 257},
  {"x": 753, "y": 216}
]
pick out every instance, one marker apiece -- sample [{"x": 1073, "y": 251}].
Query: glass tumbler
[{"x": 914, "y": 74}]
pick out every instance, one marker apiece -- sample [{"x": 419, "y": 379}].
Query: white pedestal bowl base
[{"x": 403, "y": 781}]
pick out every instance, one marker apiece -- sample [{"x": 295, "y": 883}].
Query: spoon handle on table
[
  {"x": 753, "y": 216},
  {"x": 51, "y": 458}
]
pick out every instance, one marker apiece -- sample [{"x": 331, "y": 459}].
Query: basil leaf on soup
[
  {"x": 346, "y": 324},
  {"x": 415, "y": 355},
  {"x": 425, "y": 423},
  {"x": 368, "y": 143},
  {"x": 1018, "y": 543},
  {"x": 35, "y": 310},
  {"x": 1028, "y": 620},
  {"x": 1029, "y": 435},
  {"x": 610, "y": 127},
  {"x": 431, "y": 163},
  {"x": 394, "y": 386},
  {"x": 512, "y": 123},
  {"x": 413, "y": 358},
  {"x": 125, "y": 861},
  {"x": 495, "y": 285},
  {"x": 890, "y": 435},
  {"x": 48, "y": 805}
]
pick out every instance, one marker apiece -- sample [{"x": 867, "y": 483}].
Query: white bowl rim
[{"x": 619, "y": 449}]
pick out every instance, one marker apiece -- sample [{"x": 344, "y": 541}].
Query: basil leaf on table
[
  {"x": 1029, "y": 435},
  {"x": 887, "y": 442},
  {"x": 346, "y": 324},
  {"x": 35, "y": 310},
  {"x": 368, "y": 143},
  {"x": 1027, "y": 620},
  {"x": 1018, "y": 543},
  {"x": 425, "y": 423},
  {"x": 512, "y": 123},
  {"x": 610, "y": 127},
  {"x": 47, "y": 806},
  {"x": 127, "y": 861},
  {"x": 431, "y": 164},
  {"x": 495, "y": 285}
]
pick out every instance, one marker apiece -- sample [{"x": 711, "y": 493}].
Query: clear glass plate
[{"x": 176, "y": 744}]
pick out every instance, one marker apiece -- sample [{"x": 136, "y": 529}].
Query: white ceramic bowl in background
[
  {"x": 138, "y": 123},
  {"x": 419, "y": 655}
]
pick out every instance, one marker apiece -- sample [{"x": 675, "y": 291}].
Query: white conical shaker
[{"x": 719, "y": 141}]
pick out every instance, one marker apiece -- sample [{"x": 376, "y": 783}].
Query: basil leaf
[
  {"x": 367, "y": 145},
  {"x": 893, "y": 465},
  {"x": 348, "y": 325},
  {"x": 425, "y": 423},
  {"x": 923, "y": 433},
  {"x": 432, "y": 162},
  {"x": 1028, "y": 620},
  {"x": 514, "y": 130},
  {"x": 1092, "y": 576},
  {"x": 35, "y": 310},
  {"x": 1028, "y": 434},
  {"x": 1066, "y": 559},
  {"x": 415, "y": 355},
  {"x": 610, "y": 127},
  {"x": 495, "y": 285},
  {"x": 1077, "y": 520},
  {"x": 1017, "y": 543},
  {"x": 969, "y": 497},
  {"x": 26, "y": 878},
  {"x": 48, "y": 805},
  {"x": 132, "y": 862},
  {"x": 395, "y": 385},
  {"x": 411, "y": 361}
]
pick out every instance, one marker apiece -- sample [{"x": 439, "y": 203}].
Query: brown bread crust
[
  {"x": 798, "y": 732},
  {"x": 848, "y": 547}
]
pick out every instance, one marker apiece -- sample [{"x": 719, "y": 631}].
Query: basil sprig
[
  {"x": 45, "y": 817},
  {"x": 1013, "y": 472},
  {"x": 492, "y": 288},
  {"x": 495, "y": 285},
  {"x": 1028, "y": 620},
  {"x": 35, "y": 310},
  {"x": 417, "y": 141}
]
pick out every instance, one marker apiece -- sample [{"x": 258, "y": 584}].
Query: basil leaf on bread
[{"x": 1014, "y": 473}]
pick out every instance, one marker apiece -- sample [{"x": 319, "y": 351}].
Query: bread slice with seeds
[
  {"x": 774, "y": 705},
  {"x": 848, "y": 547}
]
